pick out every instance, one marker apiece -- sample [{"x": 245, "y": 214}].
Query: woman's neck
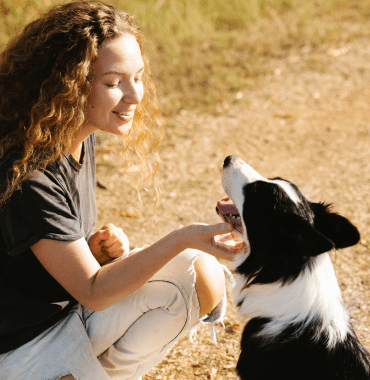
[
  {"x": 76, "y": 152},
  {"x": 76, "y": 146}
]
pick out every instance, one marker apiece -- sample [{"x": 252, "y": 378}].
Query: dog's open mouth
[{"x": 228, "y": 212}]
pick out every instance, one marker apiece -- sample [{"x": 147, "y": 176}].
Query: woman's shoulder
[
  {"x": 47, "y": 180},
  {"x": 57, "y": 177}
]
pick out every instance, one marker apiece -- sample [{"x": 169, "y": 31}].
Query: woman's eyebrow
[{"x": 120, "y": 73}]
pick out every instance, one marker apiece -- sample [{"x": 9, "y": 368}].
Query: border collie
[{"x": 285, "y": 283}]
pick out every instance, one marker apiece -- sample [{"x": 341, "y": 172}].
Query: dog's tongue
[
  {"x": 229, "y": 213},
  {"x": 226, "y": 206}
]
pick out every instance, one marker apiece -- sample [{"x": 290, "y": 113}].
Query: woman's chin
[
  {"x": 124, "y": 131},
  {"x": 120, "y": 130}
]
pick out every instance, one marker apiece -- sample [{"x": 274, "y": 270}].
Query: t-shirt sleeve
[{"x": 41, "y": 209}]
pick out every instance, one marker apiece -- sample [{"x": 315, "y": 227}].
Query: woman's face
[{"x": 117, "y": 86}]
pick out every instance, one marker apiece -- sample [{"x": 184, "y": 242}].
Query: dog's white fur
[{"x": 314, "y": 293}]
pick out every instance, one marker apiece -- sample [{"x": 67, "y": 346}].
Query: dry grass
[{"x": 205, "y": 51}]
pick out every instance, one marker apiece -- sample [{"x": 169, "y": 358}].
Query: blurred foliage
[{"x": 204, "y": 51}]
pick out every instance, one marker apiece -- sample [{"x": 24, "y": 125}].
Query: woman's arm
[{"x": 75, "y": 268}]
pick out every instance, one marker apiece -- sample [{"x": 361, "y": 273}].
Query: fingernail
[{"x": 229, "y": 227}]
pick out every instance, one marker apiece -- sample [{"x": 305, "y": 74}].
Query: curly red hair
[{"x": 45, "y": 79}]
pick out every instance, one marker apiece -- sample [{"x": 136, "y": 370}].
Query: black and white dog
[{"x": 285, "y": 283}]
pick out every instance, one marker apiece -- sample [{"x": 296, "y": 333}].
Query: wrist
[{"x": 179, "y": 239}]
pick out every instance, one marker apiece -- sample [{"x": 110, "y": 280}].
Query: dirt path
[{"x": 309, "y": 121}]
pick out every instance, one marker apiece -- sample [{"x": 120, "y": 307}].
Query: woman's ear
[{"x": 334, "y": 226}]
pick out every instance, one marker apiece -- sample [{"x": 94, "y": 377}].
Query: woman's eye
[{"x": 112, "y": 85}]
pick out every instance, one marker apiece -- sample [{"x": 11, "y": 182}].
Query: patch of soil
[{"x": 307, "y": 121}]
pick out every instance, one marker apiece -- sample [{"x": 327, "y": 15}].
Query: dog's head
[{"x": 283, "y": 231}]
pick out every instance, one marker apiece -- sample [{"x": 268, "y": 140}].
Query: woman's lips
[{"x": 125, "y": 116}]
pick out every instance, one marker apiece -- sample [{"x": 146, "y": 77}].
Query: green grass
[{"x": 205, "y": 51}]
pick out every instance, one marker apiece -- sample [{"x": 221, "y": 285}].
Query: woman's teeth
[{"x": 129, "y": 113}]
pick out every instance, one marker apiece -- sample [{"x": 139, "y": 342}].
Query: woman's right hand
[{"x": 202, "y": 237}]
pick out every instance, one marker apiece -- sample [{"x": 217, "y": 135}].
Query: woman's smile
[{"x": 125, "y": 116}]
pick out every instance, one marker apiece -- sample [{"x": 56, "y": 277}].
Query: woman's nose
[{"x": 134, "y": 93}]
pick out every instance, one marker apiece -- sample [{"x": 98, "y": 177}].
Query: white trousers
[{"x": 122, "y": 342}]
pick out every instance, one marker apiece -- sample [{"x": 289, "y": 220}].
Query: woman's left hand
[{"x": 108, "y": 243}]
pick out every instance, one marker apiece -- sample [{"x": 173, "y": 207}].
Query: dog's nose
[{"x": 228, "y": 161}]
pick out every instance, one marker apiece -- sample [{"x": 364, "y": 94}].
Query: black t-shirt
[{"x": 58, "y": 204}]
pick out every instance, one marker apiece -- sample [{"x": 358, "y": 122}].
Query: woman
[{"x": 77, "y": 69}]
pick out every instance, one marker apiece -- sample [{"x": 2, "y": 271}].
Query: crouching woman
[{"x": 77, "y": 69}]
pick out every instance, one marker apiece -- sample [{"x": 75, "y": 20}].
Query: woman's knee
[
  {"x": 160, "y": 294},
  {"x": 210, "y": 283}
]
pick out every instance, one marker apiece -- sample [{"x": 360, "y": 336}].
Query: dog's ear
[
  {"x": 299, "y": 237},
  {"x": 334, "y": 226}
]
